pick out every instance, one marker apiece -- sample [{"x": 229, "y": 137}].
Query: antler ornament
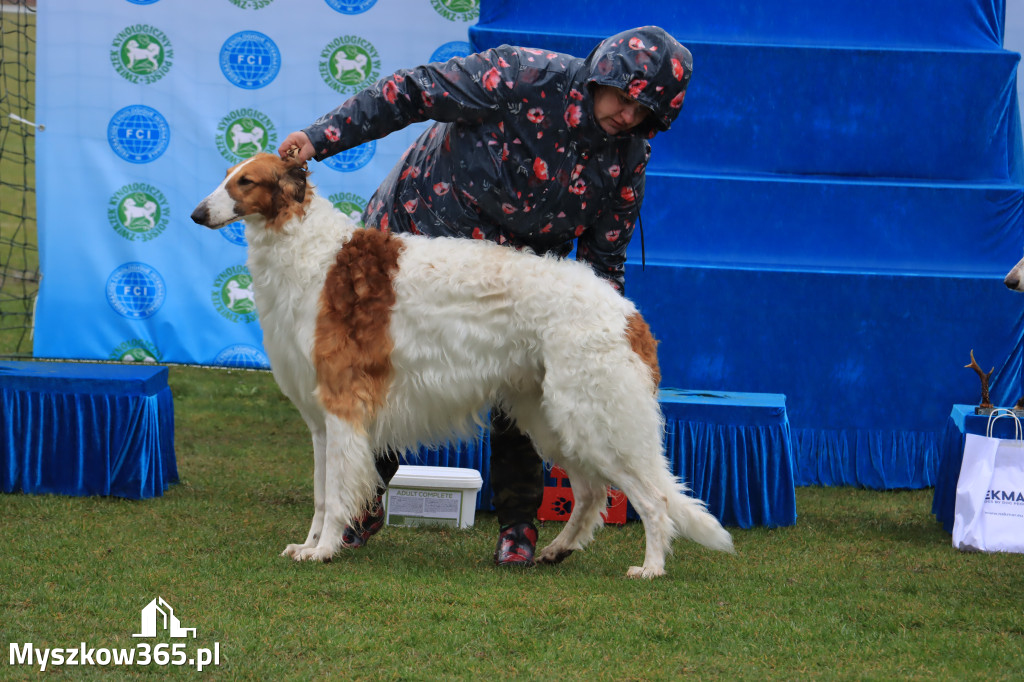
[{"x": 986, "y": 403}]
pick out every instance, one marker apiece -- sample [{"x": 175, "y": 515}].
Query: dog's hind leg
[
  {"x": 350, "y": 479},
  {"x": 319, "y": 433},
  {"x": 667, "y": 512},
  {"x": 651, "y": 503},
  {"x": 589, "y": 496},
  {"x": 584, "y": 520}
]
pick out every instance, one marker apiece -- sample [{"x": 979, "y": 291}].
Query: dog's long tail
[{"x": 692, "y": 520}]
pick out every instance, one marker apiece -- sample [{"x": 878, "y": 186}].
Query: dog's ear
[{"x": 293, "y": 181}]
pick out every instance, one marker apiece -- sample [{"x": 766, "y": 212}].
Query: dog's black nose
[{"x": 201, "y": 214}]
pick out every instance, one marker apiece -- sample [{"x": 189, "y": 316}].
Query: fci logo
[
  {"x": 250, "y": 59},
  {"x": 138, "y": 134},
  {"x": 135, "y": 291}
]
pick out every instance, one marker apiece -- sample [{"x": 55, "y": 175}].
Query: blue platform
[
  {"x": 86, "y": 429},
  {"x": 831, "y": 215},
  {"x": 735, "y": 452}
]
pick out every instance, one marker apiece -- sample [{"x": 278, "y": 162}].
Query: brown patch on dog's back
[
  {"x": 352, "y": 346},
  {"x": 644, "y": 344}
]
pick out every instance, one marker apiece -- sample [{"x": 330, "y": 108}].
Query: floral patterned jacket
[{"x": 515, "y": 154}]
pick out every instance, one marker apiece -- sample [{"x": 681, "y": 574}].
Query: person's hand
[{"x": 298, "y": 141}]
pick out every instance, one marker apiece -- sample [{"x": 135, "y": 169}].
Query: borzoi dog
[{"x": 390, "y": 341}]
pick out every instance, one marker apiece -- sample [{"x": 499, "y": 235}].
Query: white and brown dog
[{"x": 391, "y": 341}]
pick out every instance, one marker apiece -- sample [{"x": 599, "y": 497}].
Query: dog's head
[
  {"x": 1014, "y": 279},
  {"x": 263, "y": 185}
]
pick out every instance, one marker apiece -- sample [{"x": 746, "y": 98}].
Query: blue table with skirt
[
  {"x": 86, "y": 429},
  {"x": 733, "y": 450}
]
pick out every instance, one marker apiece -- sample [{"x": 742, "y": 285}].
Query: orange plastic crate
[{"x": 558, "y": 501}]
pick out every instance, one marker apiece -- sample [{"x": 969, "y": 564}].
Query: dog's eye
[{"x": 244, "y": 181}]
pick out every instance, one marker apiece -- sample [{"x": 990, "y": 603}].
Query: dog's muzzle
[{"x": 201, "y": 215}]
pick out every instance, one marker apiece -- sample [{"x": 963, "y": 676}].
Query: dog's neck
[{"x": 300, "y": 246}]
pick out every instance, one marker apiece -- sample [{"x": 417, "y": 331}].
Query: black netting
[{"x": 19, "y": 253}]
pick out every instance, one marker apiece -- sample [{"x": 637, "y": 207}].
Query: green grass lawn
[{"x": 864, "y": 586}]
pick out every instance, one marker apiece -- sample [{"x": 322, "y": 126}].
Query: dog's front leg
[
  {"x": 319, "y": 433},
  {"x": 350, "y": 478}
]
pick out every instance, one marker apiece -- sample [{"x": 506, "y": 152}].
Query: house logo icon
[{"x": 159, "y": 613}]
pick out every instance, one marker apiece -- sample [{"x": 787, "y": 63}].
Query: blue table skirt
[
  {"x": 86, "y": 429},
  {"x": 875, "y": 459},
  {"x": 733, "y": 450},
  {"x": 962, "y": 421}
]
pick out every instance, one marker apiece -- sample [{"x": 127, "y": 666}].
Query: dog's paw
[
  {"x": 292, "y": 551},
  {"x": 321, "y": 554},
  {"x": 645, "y": 573},
  {"x": 552, "y": 555}
]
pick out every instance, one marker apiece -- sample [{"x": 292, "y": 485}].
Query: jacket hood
[{"x": 649, "y": 64}]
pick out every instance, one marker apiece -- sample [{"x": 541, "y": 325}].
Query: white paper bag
[{"x": 989, "y": 512}]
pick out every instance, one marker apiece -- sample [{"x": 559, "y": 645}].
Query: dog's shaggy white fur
[{"x": 387, "y": 341}]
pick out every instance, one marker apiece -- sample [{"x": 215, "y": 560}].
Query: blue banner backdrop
[{"x": 145, "y": 104}]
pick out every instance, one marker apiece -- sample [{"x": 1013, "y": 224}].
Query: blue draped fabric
[
  {"x": 86, "y": 429},
  {"x": 962, "y": 420},
  {"x": 831, "y": 215},
  {"x": 780, "y": 225},
  {"x": 880, "y": 460},
  {"x": 969, "y": 23},
  {"x": 732, "y": 449}
]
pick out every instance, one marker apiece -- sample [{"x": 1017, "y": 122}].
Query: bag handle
[{"x": 998, "y": 414}]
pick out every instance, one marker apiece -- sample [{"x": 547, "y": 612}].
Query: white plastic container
[{"x": 445, "y": 496}]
